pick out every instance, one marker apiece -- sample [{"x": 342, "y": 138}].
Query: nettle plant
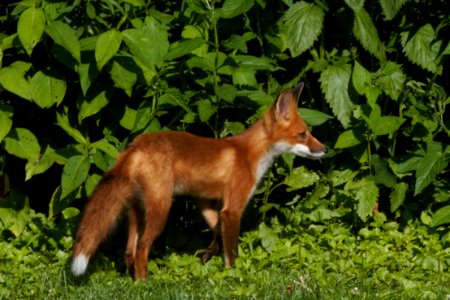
[{"x": 80, "y": 79}]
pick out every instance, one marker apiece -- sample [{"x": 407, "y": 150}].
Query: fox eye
[{"x": 303, "y": 134}]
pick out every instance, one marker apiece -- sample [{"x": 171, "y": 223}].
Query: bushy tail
[{"x": 101, "y": 213}]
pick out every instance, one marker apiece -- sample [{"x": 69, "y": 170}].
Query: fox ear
[
  {"x": 286, "y": 102},
  {"x": 298, "y": 90}
]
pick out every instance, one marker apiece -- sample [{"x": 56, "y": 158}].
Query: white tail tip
[{"x": 79, "y": 264}]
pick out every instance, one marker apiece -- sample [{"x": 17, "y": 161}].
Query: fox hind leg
[
  {"x": 135, "y": 224},
  {"x": 157, "y": 211},
  {"x": 209, "y": 209}
]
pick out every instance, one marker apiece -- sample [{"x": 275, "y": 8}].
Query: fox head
[{"x": 287, "y": 129}]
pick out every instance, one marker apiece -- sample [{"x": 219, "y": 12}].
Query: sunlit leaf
[
  {"x": 391, "y": 7},
  {"x": 300, "y": 178},
  {"x": 366, "y": 194},
  {"x": 387, "y": 125},
  {"x": 398, "y": 195},
  {"x": 106, "y": 147},
  {"x": 107, "y": 46},
  {"x": 441, "y": 216},
  {"x": 422, "y": 48},
  {"x": 314, "y": 117},
  {"x": 74, "y": 173},
  {"x": 347, "y": 139},
  {"x": 65, "y": 36},
  {"x": 334, "y": 82},
  {"x": 149, "y": 45},
  {"x": 47, "y": 89},
  {"x": 93, "y": 104},
  {"x": 31, "y": 27},
  {"x": 361, "y": 78},
  {"x": 40, "y": 165},
  {"x": 13, "y": 79},
  {"x": 123, "y": 78},
  {"x": 428, "y": 168},
  {"x": 205, "y": 110},
  {"x": 6, "y": 122},
  {"x": 22, "y": 143},
  {"x": 184, "y": 47},
  {"x": 63, "y": 121},
  {"x": 301, "y": 25},
  {"x": 391, "y": 79},
  {"x": 367, "y": 34},
  {"x": 233, "y": 8}
]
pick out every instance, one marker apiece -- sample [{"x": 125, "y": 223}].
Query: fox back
[{"x": 157, "y": 166}]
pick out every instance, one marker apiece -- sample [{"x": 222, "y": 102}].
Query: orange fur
[{"x": 158, "y": 165}]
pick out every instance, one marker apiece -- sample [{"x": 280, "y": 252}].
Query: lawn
[{"x": 316, "y": 263}]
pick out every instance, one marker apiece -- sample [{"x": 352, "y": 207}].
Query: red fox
[{"x": 157, "y": 166}]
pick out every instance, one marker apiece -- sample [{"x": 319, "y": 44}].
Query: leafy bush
[{"x": 80, "y": 79}]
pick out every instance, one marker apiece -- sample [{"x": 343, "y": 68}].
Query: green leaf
[
  {"x": 12, "y": 220},
  {"x": 391, "y": 79},
  {"x": 355, "y": 4},
  {"x": 12, "y": 79},
  {"x": 239, "y": 42},
  {"x": 181, "y": 48},
  {"x": 128, "y": 119},
  {"x": 148, "y": 45},
  {"x": 361, "y": 78},
  {"x": 382, "y": 173},
  {"x": 47, "y": 89},
  {"x": 227, "y": 92},
  {"x": 366, "y": 193},
  {"x": 205, "y": 110},
  {"x": 63, "y": 121},
  {"x": 301, "y": 178},
  {"x": 398, "y": 195},
  {"x": 301, "y": 25},
  {"x": 58, "y": 203},
  {"x": 91, "y": 183},
  {"x": 173, "y": 97},
  {"x": 74, "y": 173},
  {"x": 194, "y": 32},
  {"x": 367, "y": 34},
  {"x": 340, "y": 177},
  {"x": 40, "y": 165},
  {"x": 233, "y": 8},
  {"x": 31, "y": 27},
  {"x": 250, "y": 62},
  {"x": 123, "y": 78},
  {"x": 387, "y": 125},
  {"x": 391, "y": 7},
  {"x": 314, "y": 117},
  {"x": 87, "y": 72},
  {"x": 63, "y": 35},
  {"x": 70, "y": 212},
  {"x": 433, "y": 163},
  {"x": 422, "y": 48},
  {"x": 244, "y": 77},
  {"x": 93, "y": 104},
  {"x": 6, "y": 122},
  {"x": 22, "y": 143},
  {"x": 268, "y": 236},
  {"x": 334, "y": 82},
  {"x": 106, "y": 147},
  {"x": 441, "y": 216},
  {"x": 138, "y": 3},
  {"x": 347, "y": 139},
  {"x": 107, "y": 46}
]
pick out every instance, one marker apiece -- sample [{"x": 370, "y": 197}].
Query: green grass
[{"x": 328, "y": 263}]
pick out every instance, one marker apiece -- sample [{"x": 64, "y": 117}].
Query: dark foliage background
[{"x": 80, "y": 79}]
